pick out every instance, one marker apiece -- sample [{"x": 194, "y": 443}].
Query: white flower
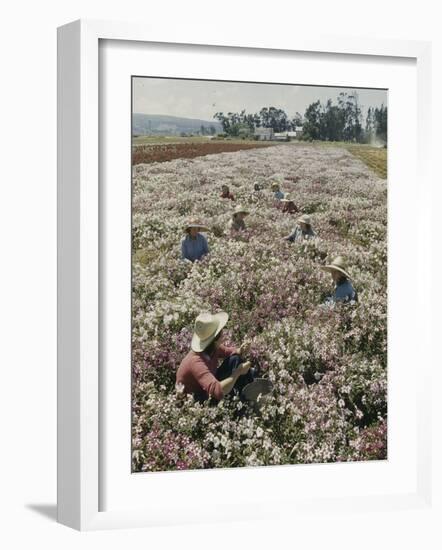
[{"x": 168, "y": 294}]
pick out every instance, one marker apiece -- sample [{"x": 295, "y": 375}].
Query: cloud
[{"x": 201, "y": 99}]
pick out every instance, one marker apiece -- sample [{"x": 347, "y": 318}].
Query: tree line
[
  {"x": 343, "y": 121},
  {"x": 340, "y": 121},
  {"x": 234, "y": 124}
]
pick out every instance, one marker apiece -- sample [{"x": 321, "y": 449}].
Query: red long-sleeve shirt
[
  {"x": 290, "y": 207},
  {"x": 197, "y": 373},
  {"x": 228, "y": 195}
]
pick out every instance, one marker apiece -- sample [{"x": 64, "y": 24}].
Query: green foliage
[{"x": 343, "y": 122}]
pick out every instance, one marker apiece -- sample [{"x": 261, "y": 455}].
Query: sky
[{"x": 201, "y": 99}]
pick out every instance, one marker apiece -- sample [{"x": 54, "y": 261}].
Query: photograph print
[{"x": 259, "y": 274}]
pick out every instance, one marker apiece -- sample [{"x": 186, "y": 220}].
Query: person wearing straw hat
[
  {"x": 225, "y": 193},
  {"x": 199, "y": 372},
  {"x": 288, "y": 205},
  {"x": 303, "y": 230},
  {"x": 277, "y": 193},
  {"x": 344, "y": 291},
  {"x": 237, "y": 222},
  {"x": 194, "y": 245}
]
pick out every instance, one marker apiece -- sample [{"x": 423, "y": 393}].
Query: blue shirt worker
[
  {"x": 302, "y": 231},
  {"x": 194, "y": 245},
  {"x": 344, "y": 291},
  {"x": 277, "y": 193}
]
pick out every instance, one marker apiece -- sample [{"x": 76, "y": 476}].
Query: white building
[
  {"x": 285, "y": 136},
  {"x": 264, "y": 134}
]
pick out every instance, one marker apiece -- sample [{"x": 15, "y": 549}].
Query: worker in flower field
[
  {"x": 194, "y": 245},
  {"x": 277, "y": 193},
  {"x": 302, "y": 231},
  {"x": 199, "y": 372},
  {"x": 226, "y": 194},
  {"x": 256, "y": 193},
  {"x": 344, "y": 291},
  {"x": 288, "y": 205},
  {"x": 237, "y": 222}
]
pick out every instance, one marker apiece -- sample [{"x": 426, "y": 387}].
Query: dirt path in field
[{"x": 162, "y": 153}]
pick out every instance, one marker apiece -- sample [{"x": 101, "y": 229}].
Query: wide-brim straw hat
[
  {"x": 193, "y": 222},
  {"x": 287, "y": 198},
  {"x": 206, "y": 329},
  {"x": 338, "y": 264},
  {"x": 240, "y": 210},
  {"x": 305, "y": 218}
]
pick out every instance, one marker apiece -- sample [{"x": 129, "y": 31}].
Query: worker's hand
[
  {"x": 244, "y": 350},
  {"x": 244, "y": 368}
]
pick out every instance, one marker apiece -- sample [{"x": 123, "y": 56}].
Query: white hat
[
  {"x": 287, "y": 198},
  {"x": 338, "y": 264},
  {"x": 206, "y": 329},
  {"x": 305, "y": 218},
  {"x": 240, "y": 209},
  {"x": 193, "y": 222}
]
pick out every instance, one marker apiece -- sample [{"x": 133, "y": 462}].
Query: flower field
[{"x": 328, "y": 364}]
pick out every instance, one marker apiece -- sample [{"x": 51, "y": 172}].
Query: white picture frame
[{"x": 79, "y": 264}]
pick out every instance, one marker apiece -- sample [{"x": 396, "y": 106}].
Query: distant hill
[{"x": 169, "y": 125}]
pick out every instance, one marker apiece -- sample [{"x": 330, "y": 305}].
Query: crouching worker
[
  {"x": 194, "y": 245},
  {"x": 226, "y": 194},
  {"x": 199, "y": 372},
  {"x": 237, "y": 222},
  {"x": 288, "y": 205},
  {"x": 344, "y": 291},
  {"x": 277, "y": 193},
  {"x": 303, "y": 230}
]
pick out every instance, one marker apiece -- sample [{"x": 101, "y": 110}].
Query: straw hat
[
  {"x": 275, "y": 185},
  {"x": 193, "y": 222},
  {"x": 206, "y": 329},
  {"x": 240, "y": 209},
  {"x": 287, "y": 198},
  {"x": 305, "y": 218},
  {"x": 338, "y": 264}
]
